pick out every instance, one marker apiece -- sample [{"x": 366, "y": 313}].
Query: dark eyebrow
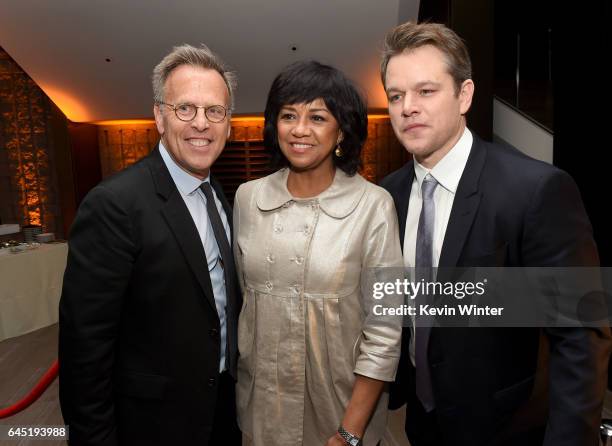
[
  {"x": 419, "y": 85},
  {"x": 310, "y": 110},
  {"x": 426, "y": 83}
]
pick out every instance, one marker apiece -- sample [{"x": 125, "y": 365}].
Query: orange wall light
[{"x": 74, "y": 109}]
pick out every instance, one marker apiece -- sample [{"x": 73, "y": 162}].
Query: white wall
[{"x": 521, "y": 133}]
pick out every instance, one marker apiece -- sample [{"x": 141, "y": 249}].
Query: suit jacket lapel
[
  {"x": 401, "y": 197},
  {"x": 181, "y": 224},
  {"x": 465, "y": 207}
]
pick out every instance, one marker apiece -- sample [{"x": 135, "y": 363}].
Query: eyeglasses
[{"x": 187, "y": 112}]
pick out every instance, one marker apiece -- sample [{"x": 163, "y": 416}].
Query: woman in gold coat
[{"x": 314, "y": 358}]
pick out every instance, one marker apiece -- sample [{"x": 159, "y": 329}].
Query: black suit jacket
[
  {"x": 510, "y": 210},
  {"x": 139, "y": 345}
]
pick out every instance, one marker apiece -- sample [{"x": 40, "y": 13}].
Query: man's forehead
[
  {"x": 188, "y": 79},
  {"x": 404, "y": 68},
  {"x": 185, "y": 72}
]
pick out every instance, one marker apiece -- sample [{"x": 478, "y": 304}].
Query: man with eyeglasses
[{"x": 150, "y": 300}]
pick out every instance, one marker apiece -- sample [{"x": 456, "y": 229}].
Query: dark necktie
[
  {"x": 229, "y": 273},
  {"x": 423, "y": 270}
]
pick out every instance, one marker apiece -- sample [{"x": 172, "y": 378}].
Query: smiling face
[
  {"x": 307, "y": 135},
  {"x": 427, "y": 114},
  {"x": 194, "y": 145}
]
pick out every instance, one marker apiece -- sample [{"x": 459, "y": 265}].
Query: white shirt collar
[
  {"x": 186, "y": 183},
  {"x": 449, "y": 169}
]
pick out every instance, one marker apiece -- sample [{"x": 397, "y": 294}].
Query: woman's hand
[{"x": 335, "y": 440}]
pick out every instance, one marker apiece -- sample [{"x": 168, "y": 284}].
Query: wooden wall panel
[
  {"x": 29, "y": 128},
  {"x": 245, "y": 157}
]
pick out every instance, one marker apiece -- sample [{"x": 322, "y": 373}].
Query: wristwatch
[{"x": 352, "y": 440}]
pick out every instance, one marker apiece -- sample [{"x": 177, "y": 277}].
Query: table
[{"x": 30, "y": 288}]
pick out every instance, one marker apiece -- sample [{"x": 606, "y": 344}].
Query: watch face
[{"x": 354, "y": 442}]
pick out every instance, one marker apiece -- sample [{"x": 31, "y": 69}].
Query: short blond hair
[{"x": 409, "y": 36}]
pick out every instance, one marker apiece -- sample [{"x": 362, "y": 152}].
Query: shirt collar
[
  {"x": 186, "y": 183},
  {"x": 449, "y": 169},
  {"x": 338, "y": 200}
]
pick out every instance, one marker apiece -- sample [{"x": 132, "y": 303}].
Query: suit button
[
  {"x": 211, "y": 382},
  {"x": 213, "y": 332}
]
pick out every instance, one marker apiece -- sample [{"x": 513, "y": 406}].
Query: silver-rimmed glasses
[{"x": 187, "y": 112}]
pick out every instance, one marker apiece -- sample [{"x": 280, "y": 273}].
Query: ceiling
[{"x": 64, "y": 45}]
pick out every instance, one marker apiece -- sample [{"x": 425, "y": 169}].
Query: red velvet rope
[{"x": 37, "y": 391}]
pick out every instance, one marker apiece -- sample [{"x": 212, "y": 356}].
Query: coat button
[
  {"x": 211, "y": 382},
  {"x": 270, "y": 258},
  {"x": 299, "y": 260},
  {"x": 306, "y": 230},
  {"x": 278, "y": 229},
  {"x": 269, "y": 285},
  {"x": 213, "y": 332}
]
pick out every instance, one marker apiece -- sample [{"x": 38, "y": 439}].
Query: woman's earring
[{"x": 338, "y": 150}]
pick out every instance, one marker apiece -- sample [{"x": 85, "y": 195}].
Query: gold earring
[{"x": 338, "y": 150}]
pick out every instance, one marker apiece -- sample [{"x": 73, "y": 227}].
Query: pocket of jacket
[
  {"x": 246, "y": 325},
  {"x": 339, "y": 355}
]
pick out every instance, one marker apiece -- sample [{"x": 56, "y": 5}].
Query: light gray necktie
[{"x": 423, "y": 270}]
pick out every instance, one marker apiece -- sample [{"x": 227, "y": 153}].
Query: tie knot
[{"x": 428, "y": 187}]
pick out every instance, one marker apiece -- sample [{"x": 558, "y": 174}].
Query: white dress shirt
[
  {"x": 447, "y": 172},
  {"x": 189, "y": 188}
]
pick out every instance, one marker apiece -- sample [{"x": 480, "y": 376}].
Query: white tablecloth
[{"x": 30, "y": 288}]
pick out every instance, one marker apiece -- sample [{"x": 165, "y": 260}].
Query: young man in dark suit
[
  {"x": 150, "y": 299},
  {"x": 482, "y": 204}
]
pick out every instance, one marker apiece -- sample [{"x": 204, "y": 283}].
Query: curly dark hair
[{"x": 304, "y": 82}]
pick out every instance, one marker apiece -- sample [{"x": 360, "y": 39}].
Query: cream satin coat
[{"x": 304, "y": 329}]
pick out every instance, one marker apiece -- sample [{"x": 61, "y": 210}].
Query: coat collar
[
  {"x": 166, "y": 187},
  {"x": 179, "y": 220},
  {"x": 465, "y": 206},
  {"x": 337, "y": 201}
]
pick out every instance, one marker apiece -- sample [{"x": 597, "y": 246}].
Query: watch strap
[{"x": 351, "y": 439}]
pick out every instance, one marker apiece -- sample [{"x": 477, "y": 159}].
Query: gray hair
[{"x": 198, "y": 57}]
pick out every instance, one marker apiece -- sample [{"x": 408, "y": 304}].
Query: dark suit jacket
[
  {"x": 510, "y": 210},
  {"x": 139, "y": 332}
]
